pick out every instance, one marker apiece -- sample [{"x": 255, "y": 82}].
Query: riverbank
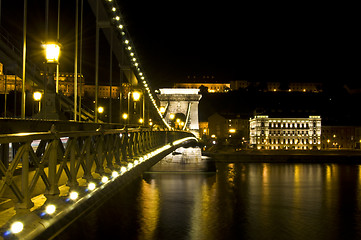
[{"x": 287, "y": 156}]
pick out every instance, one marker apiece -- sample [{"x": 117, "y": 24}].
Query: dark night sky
[
  {"x": 238, "y": 40},
  {"x": 232, "y": 39}
]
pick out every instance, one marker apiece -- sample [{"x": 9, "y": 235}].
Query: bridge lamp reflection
[
  {"x": 73, "y": 195},
  {"x": 16, "y": 227},
  {"x": 115, "y": 174},
  {"x": 130, "y": 165},
  {"x": 91, "y": 186},
  {"x": 50, "y": 209},
  {"x": 105, "y": 179},
  {"x": 123, "y": 170}
]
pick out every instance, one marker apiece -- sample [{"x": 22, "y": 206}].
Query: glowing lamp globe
[
  {"x": 52, "y": 52},
  {"x": 136, "y": 96},
  {"x": 37, "y": 96}
]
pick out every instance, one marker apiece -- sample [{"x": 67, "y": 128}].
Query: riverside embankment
[{"x": 287, "y": 156}]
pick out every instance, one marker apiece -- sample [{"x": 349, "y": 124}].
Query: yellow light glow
[
  {"x": 141, "y": 120},
  {"x": 213, "y": 136},
  {"x": 136, "y": 96},
  {"x": 171, "y": 116},
  {"x": 232, "y": 130},
  {"x": 162, "y": 109},
  {"x": 105, "y": 179},
  {"x": 178, "y": 120},
  {"x": 100, "y": 109},
  {"x": 73, "y": 195},
  {"x": 91, "y": 186},
  {"x": 125, "y": 116},
  {"x": 52, "y": 52},
  {"x": 115, "y": 174},
  {"x": 17, "y": 227},
  {"x": 37, "y": 96},
  {"x": 50, "y": 209}
]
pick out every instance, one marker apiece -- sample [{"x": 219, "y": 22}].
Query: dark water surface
[{"x": 240, "y": 201}]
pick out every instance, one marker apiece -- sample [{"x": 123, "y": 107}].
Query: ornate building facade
[{"x": 285, "y": 133}]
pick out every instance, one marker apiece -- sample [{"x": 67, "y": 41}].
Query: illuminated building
[
  {"x": 203, "y": 129},
  {"x": 212, "y": 87},
  {"x": 285, "y": 133},
  {"x": 196, "y": 82},
  {"x": 275, "y": 86},
  {"x": 66, "y": 85},
  {"x": 11, "y": 81}
]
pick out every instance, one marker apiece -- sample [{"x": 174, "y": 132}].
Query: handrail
[{"x": 71, "y": 155}]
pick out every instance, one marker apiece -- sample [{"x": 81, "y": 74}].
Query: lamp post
[
  {"x": 136, "y": 97},
  {"x": 37, "y": 98},
  {"x": 50, "y": 106},
  {"x": 125, "y": 117}
]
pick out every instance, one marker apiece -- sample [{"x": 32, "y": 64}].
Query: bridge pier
[{"x": 181, "y": 101}]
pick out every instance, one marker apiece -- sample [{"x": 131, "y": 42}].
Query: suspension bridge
[{"x": 63, "y": 157}]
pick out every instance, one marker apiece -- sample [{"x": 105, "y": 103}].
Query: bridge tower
[{"x": 182, "y": 101}]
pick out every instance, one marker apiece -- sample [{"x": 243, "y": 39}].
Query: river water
[{"x": 237, "y": 201}]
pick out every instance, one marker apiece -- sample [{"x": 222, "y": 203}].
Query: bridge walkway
[{"x": 88, "y": 164}]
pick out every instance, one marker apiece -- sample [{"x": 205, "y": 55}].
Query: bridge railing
[{"x": 38, "y": 163}]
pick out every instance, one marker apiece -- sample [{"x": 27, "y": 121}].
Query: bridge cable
[{"x": 118, "y": 23}]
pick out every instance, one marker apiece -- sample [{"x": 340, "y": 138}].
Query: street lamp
[
  {"x": 52, "y": 52},
  {"x": 50, "y": 107},
  {"x": 37, "y": 97},
  {"x": 100, "y": 109},
  {"x": 136, "y": 96}
]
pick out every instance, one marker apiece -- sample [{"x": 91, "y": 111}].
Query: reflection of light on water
[
  {"x": 331, "y": 178},
  {"x": 149, "y": 207},
  {"x": 265, "y": 169},
  {"x": 359, "y": 187},
  {"x": 231, "y": 174},
  {"x": 297, "y": 185}
]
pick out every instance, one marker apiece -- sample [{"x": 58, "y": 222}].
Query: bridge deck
[{"x": 138, "y": 149}]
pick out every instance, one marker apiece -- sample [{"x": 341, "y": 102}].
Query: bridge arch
[{"x": 181, "y": 101}]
